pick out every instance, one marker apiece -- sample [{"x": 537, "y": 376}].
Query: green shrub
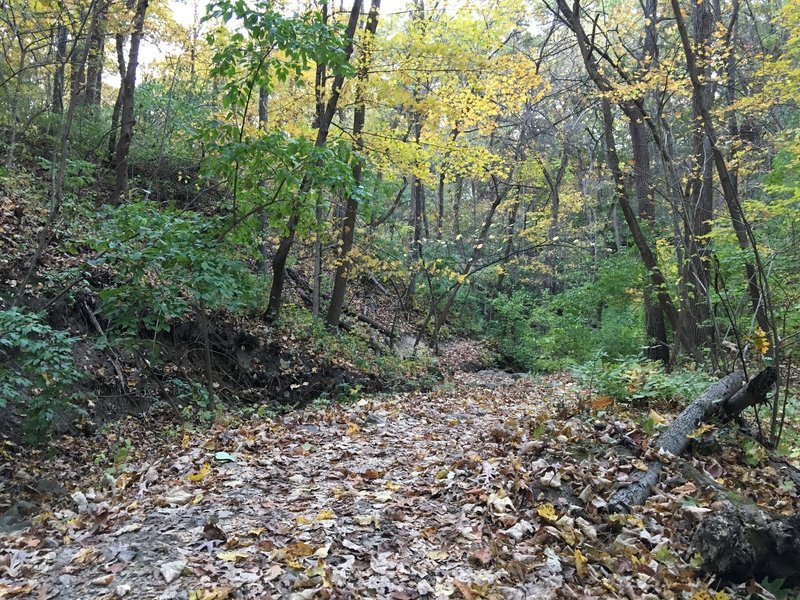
[
  {"x": 37, "y": 372},
  {"x": 630, "y": 379},
  {"x": 167, "y": 263},
  {"x": 549, "y": 332}
]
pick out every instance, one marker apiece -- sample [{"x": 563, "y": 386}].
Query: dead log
[
  {"x": 740, "y": 542},
  {"x": 675, "y": 440},
  {"x": 754, "y": 393}
]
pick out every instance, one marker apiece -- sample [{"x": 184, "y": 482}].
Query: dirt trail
[{"x": 485, "y": 488}]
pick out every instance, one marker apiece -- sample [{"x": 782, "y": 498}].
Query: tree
[
  {"x": 324, "y": 121},
  {"x": 127, "y": 95},
  {"x": 351, "y": 207}
]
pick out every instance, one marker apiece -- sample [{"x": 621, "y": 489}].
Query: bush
[
  {"x": 549, "y": 332},
  {"x": 37, "y": 372},
  {"x": 629, "y": 380},
  {"x": 167, "y": 264}
]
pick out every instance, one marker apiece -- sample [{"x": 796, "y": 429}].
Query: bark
[
  {"x": 351, "y": 205},
  {"x": 263, "y": 251},
  {"x": 58, "y": 76},
  {"x": 127, "y": 116},
  {"x": 645, "y": 252},
  {"x": 94, "y": 62},
  {"x": 440, "y": 316},
  {"x": 509, "y": 247},
  {"x": 57, "y": 197},
  {"x": 119, "y": 41},
  {"x": 320, "y": 83},
  {"x": 9, "y": 162},
  {"x": 727, "y": 397},
  {"x": 285, "y": 244},
  {"x": 440, "y": 212},
  {"x": 698, "y": 203},
  {"x": 263, "y": 106},
  {"x": 742, "y": 542},
  {"x": 415, "y": 221},
  {"x": 655, "y": 330},
  {"x": 754, "y": 393},
  {"x": 457, "y": 207}
]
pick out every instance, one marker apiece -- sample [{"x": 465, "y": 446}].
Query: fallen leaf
[
  {"x": 224, "y": 457},
  {"x": 201, "y": 474},
  {"x": 170, "y": 571},
  {"x": 465, "y": 590},
  {"x": 233, "y": 555},
  {"x": 580, "y": 564},
  {"x": 547, "y": 512}
]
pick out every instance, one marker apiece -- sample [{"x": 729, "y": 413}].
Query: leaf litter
[{"x": 490, "y": 487}]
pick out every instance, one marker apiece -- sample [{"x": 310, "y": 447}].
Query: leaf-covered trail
[{"x": 485, "y": 488}]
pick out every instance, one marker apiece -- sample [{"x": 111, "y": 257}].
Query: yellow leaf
[
  {"x": 760, "y": 340},
  {"x": 302, "y": 520},
  {"x": 325, "y": 515},
  {"x": 697, "y": 433},
  {"x": 222, "y": 593},
  {"x": 232, "y": 555},
  {"x": 547, "y": 512},
  {"x": 580, "y": 564},
  {"x": 352, "y": 429},
  {"x": 185, "y": 441},
  {"x": 299, "y": 549},
  {"x": 201, "y": 474},
  {"x": 295, "y": 564},
  {"x": 601, "y": 402},
  {"x": 656, "y": 418}
]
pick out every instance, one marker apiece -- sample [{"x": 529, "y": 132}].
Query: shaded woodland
[{"x": 244, "y": 211}]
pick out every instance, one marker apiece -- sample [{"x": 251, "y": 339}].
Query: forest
[{"x": 471, "y": 299}]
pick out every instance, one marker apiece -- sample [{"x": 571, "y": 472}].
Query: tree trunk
[
  {"x": 457, "y": 208},
  {"x": 285, "y": 244},
  {"x": 510, "y": 227},
  {"x": 648, "y": 258},
  {"x": 57, "y": 192},
  {"x": 415, "y": 221},
  {"x": 263, "y": 106},
  {"x": 119, "y": 41},
  {"x": 742, "y": 542},
  {"x": 655, "y": 330},
  {"x": 351, "y": 206},
  {"x": 94, "y": 62},
  {"x": 58, "y": 77},
  {"x": 263, "y": 251},
  {"x": 729, "y": 191},
  {"x": 127, "y": 116},
  {"x": 554, "y": 184}
]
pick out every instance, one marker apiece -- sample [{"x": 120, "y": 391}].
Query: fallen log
[
  {"x": 754, "y": 392},
  {"x": 676, "y": 438},
  {"x": 740, "y": 542}
]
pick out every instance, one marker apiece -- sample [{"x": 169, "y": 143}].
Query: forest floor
[{"x": 490, "y": 486}]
